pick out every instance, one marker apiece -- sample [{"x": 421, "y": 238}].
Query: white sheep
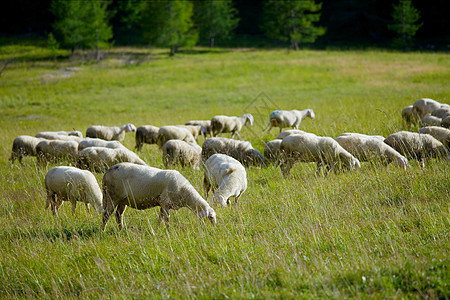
[
  {"x": 24, "y": 145},
  {"x": 180, "y": 152},
  {"x": 309, "y": 147},
  {"x": 72, "y": 184},
  {"x": 425, "y": 106},
  {"x": 51, "y": 133},
  {"x": 222, "y": 124},
  {"x": 417, "y": 146},
  {"x": 240, "y": 150},
  {"x": 205, "y": 123},
  {"x": 430, "y": 120},
  {"x": 143, "y": 187},
  {"x": 166, "y": 133},
  {"x": 371, "y": 148},
  {"x": 48, "y": 135},
  {"x": 100, "y": 158},
  {"x": 446, "y": 122},
  {"x": 109, "y": 133},
  {"x": 94, "y": 142},
  {"x": 146, "y": 134},
  {"x": 196, "y": 130},
  {"x": 272, "y": 151},
  {"x": 288, "y": 118},
  {"x": 227, "y": 176},
  {"x": 440, "y": 133},
  {"x": 55, "y": 150},
  {"x": 286, "y": 133},
  {"x": 408, "y": 117},
  {"x": 442, "y": 112}
]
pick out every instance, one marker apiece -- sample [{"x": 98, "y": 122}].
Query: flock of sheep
[{"x": 129, "y": 181}]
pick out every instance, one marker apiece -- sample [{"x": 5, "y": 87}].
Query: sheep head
[
  {"x": 249, "y": 118},
  {"x": 208, "y": 213}
]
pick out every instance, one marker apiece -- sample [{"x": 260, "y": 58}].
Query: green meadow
[{"x": 379, "y": 232}]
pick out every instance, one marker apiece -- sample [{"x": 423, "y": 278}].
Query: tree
[
  {"x": 292, "y": 20},
  {"x": 215, "y": 18},
  {"x": 128, "y": 21},
  {"x": 169, "y": 24},
  {"x": 405, "y": 24},
  {"x": 53, "y": 45}
]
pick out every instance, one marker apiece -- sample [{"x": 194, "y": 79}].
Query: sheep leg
[
  {"x": 206, "y": 186},
  {"x": 163, "y": 215},
  {"x": 119, "y": 215},
  {"x": 57, "y": 205},
  {"x": 87, "y": 207},
  {"x": 286, "y": 168},
  {"x": 74, "y": 205},
  {"x": 108, "y": 209}
]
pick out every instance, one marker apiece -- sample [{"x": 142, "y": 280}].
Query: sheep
[
  {"x": 24, "y": 145},
  {"x": 222, "y": 124},
  {"x": 48, "y": 135},
  {"x": 146, "y": 134},
  {"x": 196, "y": 130},
  {"x": 94, "y": 142},
  {"x": 69, "y": 133},
  {"x": 54, "y": 150},
  {"x": 416, "y": 146},
  {"x": 309, "y": 147},
  {"x": 272, "y": 150},
  {"x": 180, "y": 152},
  {"x": 109, "y": 133},
  {"x": 368, "y": 148},
  {"x": 205, "y": 123},
  {"x": 100, "y": 158},
  {"x": 288, "y": 118},
  {"x": 227, "y": 175},
  {"x": 429, "y": 120},
  {"x": 440, "y": 133},
  {"x": 286, "y": 133},
  {"x": 408, "y": 117},
  {"x": 442, "y": 112},
  {"x": 240, "y": 150},
  {"x": 143, "y": 187},
  {"x": 446, "y": 122},
  {"x": 72, "y": 184},
  {"x": 166, "y": 133},
  {"x": 425, "y": 106}
]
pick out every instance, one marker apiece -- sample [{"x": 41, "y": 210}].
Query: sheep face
[
  {"x": 209, "y": 214},
  {"x": 311, "y": 114},
  {"x": 402, "y": 162},
  {"x": 255, "y": 158},
  {"x": 220, "y": 199}
]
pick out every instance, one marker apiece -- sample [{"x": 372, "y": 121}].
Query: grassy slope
[{"x": 381, "y": 231}]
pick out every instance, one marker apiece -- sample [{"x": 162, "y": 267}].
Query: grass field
[{"x": 378, "y": 232}]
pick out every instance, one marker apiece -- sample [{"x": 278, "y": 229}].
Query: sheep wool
[
  {"x": 110, "y": 133},
  {"x": 288, "y": 118},
  {"x": 222, "y": 124}
]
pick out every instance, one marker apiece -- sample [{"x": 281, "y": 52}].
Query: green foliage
[
  {"x": 53, "y": 45},
  {"x": 405, "y": 25},
  {"x": 292, "y": 20},
  {"x": 215, "y": 18},
  {"x": 169, "y": 24},
  {"x": 130, "y": 12}
]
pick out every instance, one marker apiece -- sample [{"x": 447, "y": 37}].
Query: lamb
[
  {"x": 429, "y": 120},
  {"x": 110, "y": 133},
  {"x": 180, "y": 152},
  {"x": 288, "y": 118},
  {"x": 146, "y": 134},
  {"x": 440, "y": 133},
  {"x": 166, "y": 133},
  {"x": 272, "y": 151},
  {"x": 240, "y": 150},
  {"x": 55, "y": 150},
  {"x": 369, "y": 148},
  {"x": 286, "y": 133},
  {"x": 94, "y": 142},
  {"x": 416, "y": 146},
  {"x": 425, "y": 106},
  {"x": 49, "y": 135},
  {"x": 227, "y": 175},
  {"x": 72, "y": 184},
  {"x": 205, "y": 123},
  {"x": 309, "y": 147},
  {"x": 222, "y": 124},
  {"x": 143, "y": 187},
  {"x": 24, "y": 145},
  {"x": 67, "y": 133},
  {"x": 100, "y": 159}
]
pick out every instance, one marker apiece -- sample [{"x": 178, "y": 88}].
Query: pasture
[{"x": 378, "y": 232}]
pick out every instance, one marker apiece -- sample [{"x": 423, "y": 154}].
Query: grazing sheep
[
  {"x": 227, "y": 175},
  {"x": 180, "y": 152},
  {"x": 55, "y": 150},
  {"x": 429, "y": 120},
  {"x": 100, "y": 159},
  {"x": 416, "y": 146},
  {"x": 72, "y": 184},
  {"x": 440, "y": 133},
  {"x": 288, "y": 118},
  {"x": 442, "y": 112},
  {"x": 24, "y": 145},
  {"x": 167, "y": 133},
  {"x": 408, "y": 117},
  {"x": 61, "y": 137},
  {"x": 272, "y": 151},
  {"x": 309, "y": 147},
  {"x": 143, "y": 187},
  {"x": 223, "y": 124},
  {"x": 369, "y": 148},
  {"x": 51, "y": 133},
  {"x": 425, "y": 106},
  {"x": 196, "y": 130},
  {"x": 146, "y": 134},
  {"x": 240, "y": 150},
  {"x": 205, "y": 123},
  {"x": 286, "y": 133},
  {"x": 109, "y": 133},
  {"x": 94, "y": 142},
  {"x": 446, "y": 122}
]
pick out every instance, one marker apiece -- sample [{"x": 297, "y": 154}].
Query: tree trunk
[
  {"x": 211, "y": 42},
  {"x": 294, "y": 45},
  {"x": 172, "y": 51}
]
